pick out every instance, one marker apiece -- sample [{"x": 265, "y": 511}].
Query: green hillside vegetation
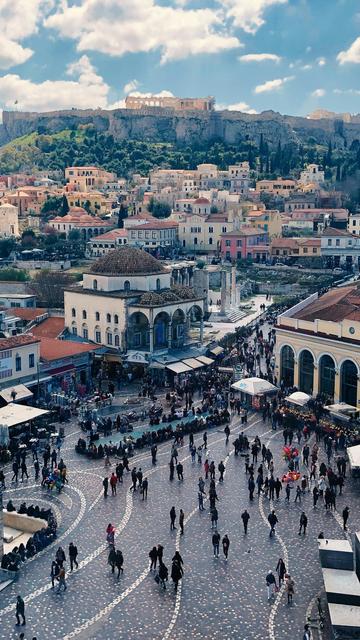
[{"x": 84, "y": 146}]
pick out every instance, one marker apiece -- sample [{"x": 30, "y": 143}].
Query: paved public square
[{"x": 216, "y": 599}]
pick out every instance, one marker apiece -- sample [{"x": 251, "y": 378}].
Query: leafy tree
[
  {"x": 123, "y": 213},
  {"x": 65, "y": 205},
  {"x": 74, "y": 235},
  {"x": 7, "y": 245},
  {"x": 53, "y": 205},
  {"x": 48, "y": 286},
  {"x": 87, "y": 206},
  {"x": 13, "y": 275},
  {"x": 159, "y": 209}
]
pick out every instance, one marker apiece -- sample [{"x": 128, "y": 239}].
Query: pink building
[{"x": 245, "y": 243}]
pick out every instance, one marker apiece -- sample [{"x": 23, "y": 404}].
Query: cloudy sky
[{"x": 292, "y": 56}]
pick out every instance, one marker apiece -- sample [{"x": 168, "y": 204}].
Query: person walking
[
  {"x": 201, "y": 501},
  {"x": 251, "y": 487},
  {"x": 36, "y": 469},
  {"x": 181, "y": 522},
  {"x": 24, "y": 471},
  {"x": 278, "y": 488},
  {"x": 176, "y": 573},
  {"x": 60, "y": 557},
  {"x": 281, "y": 571},
  {"x": 216, "y": 543},
  {"x": 119, "y": 561},
  {"x": 290, "y": 588},
  {"x": 226, "y": 545},
  {"x": 221, "y": 468},
  {"x": 113, "y": 483},
  {"x": 162, "y": 574},
  {"x": 172, "y": 469},
  {"x": 54, "y": 572},
  {"x": 298, "y": 494},
  {"x": 272, "y": 519},
  {"x": 112, "y": 559},
  {"x": 227, "y": 434},
  {"x": 144, "y": 488},
  {"x": 287, "y": 492},
  {"x": 307, "y": 633},
  {"x": 153, "y": 558},
  {"x": 20, "y": 611},
  {"x": 179, "y": 471},
  {"x": 62, "y": 581},
  {"x": 315, "y": 493},
  {"x": 270, "y": 585},
  {"x": 73, "y": 554},
  {"x": 345, "y": 516},
  {"x": 303, "y": 523},
  {"x": 214, "y": 518},
  {"x": 245, "y": 517},
  {"x": 15, "y": 468},
  {"x": 172, "y": 518},
  {"x": 106, "y": 486}
]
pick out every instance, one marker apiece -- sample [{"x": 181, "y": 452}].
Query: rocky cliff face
[{"x": 166, "y": 125}]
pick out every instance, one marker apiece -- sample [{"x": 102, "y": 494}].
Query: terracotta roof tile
[
  {"x": 50, "y": 328},
  {"x": 17, "y": 341},
  {"x": 52, "y": 349}
]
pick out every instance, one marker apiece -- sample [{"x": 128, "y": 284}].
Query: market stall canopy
[
  {"x": 193, "y": 363},
  {"x": 216, "y": 351},
  {"x": 254, "y": 386},
  {"x": 21, "y": 393},
  {"x": 342, "y": 407},
  {"x": 205, "y": 360},
  {"x": 14, "y": 414},
  {"x": 298, "y": 397},
  {"x": 354, "y": 457},
  {"x": 178, "y": 367}
]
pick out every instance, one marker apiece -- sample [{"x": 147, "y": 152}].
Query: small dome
[{"x": 127, "y": 261}]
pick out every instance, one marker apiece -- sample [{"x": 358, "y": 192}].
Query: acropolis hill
[{"x": 185, "y": 127}]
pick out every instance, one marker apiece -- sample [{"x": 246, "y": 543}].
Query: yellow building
[
  {"x": 99, "y": 203},
  {"x": 280, "y": 187},
  {"x": 269, "y": 221},
  {"x": 318, "y": 345},
  {"x": 88, "y": 178}
]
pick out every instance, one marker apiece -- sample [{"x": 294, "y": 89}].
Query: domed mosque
[{"x": 129, "y": 301}]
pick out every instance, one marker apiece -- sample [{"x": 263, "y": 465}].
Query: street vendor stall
[
  {"x": 254, "y": 391},
  {"x": 299, "y": 398},
  {"x": 354, "y": 459},
  {"x": 342, "y": 411}
]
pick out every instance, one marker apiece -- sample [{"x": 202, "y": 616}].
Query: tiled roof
[
  {"x": 284, "y": 242},
  {"x": 244, "y": 231},
  {"x": 157, "y": 224},
  {"x": 17, "y": 341},
  {"x": 26, "y": 313},
  {"x": 111, "y": 235},
  {"x": 52, "y": 349},
  {"x": 335, "y": 305},
  {"x": 330, "y": 231},
  {"x": 50, "y": 327}
]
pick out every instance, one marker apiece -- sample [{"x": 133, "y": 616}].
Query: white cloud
[
  {"x": 238, "y": 106},
  {"x": 352, "y": 54},
  {"x": 318, "y": 93},
  {"x": 259, "y": 57},
  {"x": 272, "y": 85},
  {"x": 131, "y": 86},
  {"x": 19, "y": 19},
  {"x": 306, "y": 67},
  {"x": 88, "y": 91},
  {"x": 248, "y": 15},
  {"x": 12, "y": 53},
  {"x": 321, "y": 62},
  {"x": 117, "y": 27},
  {"x": 350, "y": 92}
]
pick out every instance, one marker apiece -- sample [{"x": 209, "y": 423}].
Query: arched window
[
  {"x": 117, "y": 340},
  {"x": 126, "y": 285},
  {"x": 306, "y": 372},
  {"x": 116, "y": 319},
  {"x": 109, "y": 338},
  {"x": 327, "y": 376},
  {"x": 158, "y": 284},
  {"x": 84, "y": 314},
  {"x": 85, "y": 331},
  {"x": 108, "y": 317},
  {"x": 287, "y": 366},
  {"x": 348, "y": 383},
  {"x": 73, "y": 312},
  {"x": 97, "y": 316},
  {"x": 74, "y": 329},
  {"x": 95, "y": 285}
]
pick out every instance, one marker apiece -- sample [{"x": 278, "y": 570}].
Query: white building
[
  {"x": 126, "y": 301},
  {"x": 312, "y": 174},
  {"x": 106, "y": 242},
  {"x": 9, "y": 221}
]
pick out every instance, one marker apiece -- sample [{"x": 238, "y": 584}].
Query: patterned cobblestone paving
[{"x": 217, "y": 599}]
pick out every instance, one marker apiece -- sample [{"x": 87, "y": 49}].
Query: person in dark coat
[
  {"x": 20, "y": 610},
  {"x": 153, "y": 557},
  {"x": 112, "y": 559},
  {"x": 106, "y": 486},
  {"x": 119, "y": 561},
  {"x": 163, "y": 574},
  {"x": 172, "y": 518},
  {"x": 345, "y": 515},
  {"x": 73, "y": 553},
  {"x": 303, "y": 523},
  {"x": 245, "y": 517},
  {"x": 226, "y": 545},
  {"x": 176, "y": 573},
  {"x": 181, "y": 521},
  {"x": 272, "y": 519}
]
